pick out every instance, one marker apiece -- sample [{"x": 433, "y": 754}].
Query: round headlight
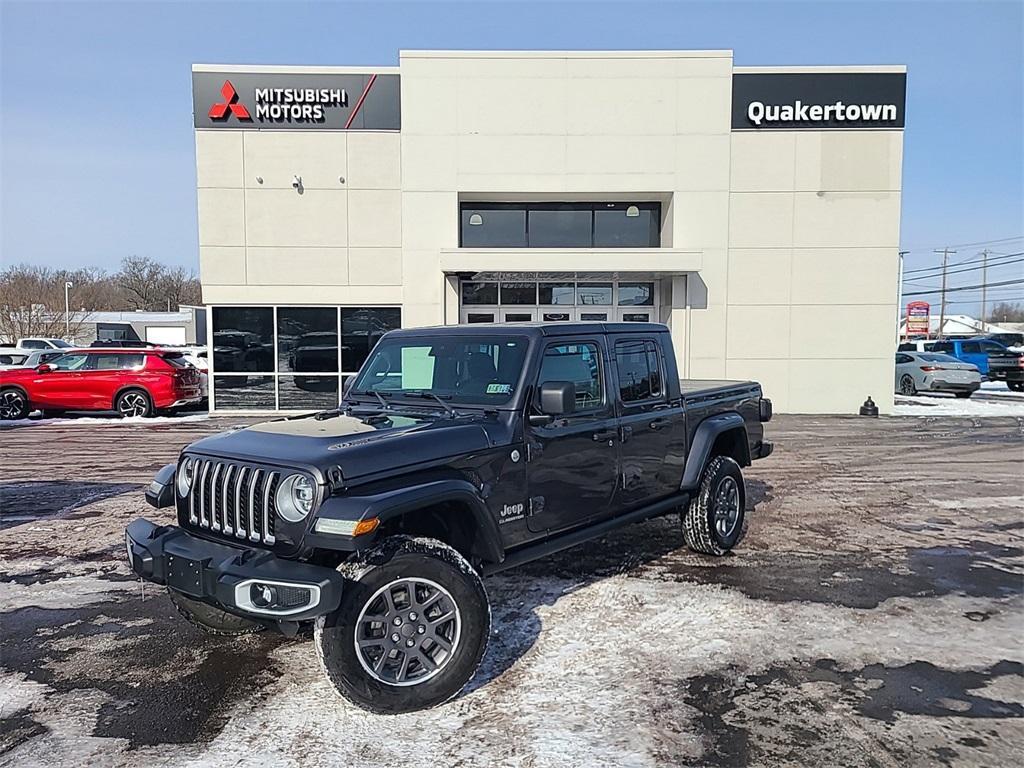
[
  {"x": 295, "y": 496},
  {"x": 186, "y": 471}
]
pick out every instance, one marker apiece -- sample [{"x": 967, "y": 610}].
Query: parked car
[
  {"x": 935, "y": 372},
  {"x": 43, "y": 343},
  {"x": 13, "y": 358},
  {"x": 995, "y": 361},
  {"x": 198, "y": 358},
  {"x": 29, "y": 358},
  {"x": 133, "y": 382},
  {"x": 456, "y": 452}
]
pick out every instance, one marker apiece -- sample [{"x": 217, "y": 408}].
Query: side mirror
[
  {"x": 346, "y": 384},
  {"x": 557, "y": 398},
  {"x": 46, "y": 368}
]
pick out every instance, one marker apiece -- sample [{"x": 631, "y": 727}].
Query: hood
[{"x": 355, "y": 446}]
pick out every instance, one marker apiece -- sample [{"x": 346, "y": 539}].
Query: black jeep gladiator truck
[{"x": 455, "y": 452}]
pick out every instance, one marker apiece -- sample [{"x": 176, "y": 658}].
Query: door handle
[
  {"x": 659, "y": 423},
  {"x": 604, "y": 434}
]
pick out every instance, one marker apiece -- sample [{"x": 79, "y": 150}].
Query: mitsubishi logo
[{"x": 219, "y": 111}]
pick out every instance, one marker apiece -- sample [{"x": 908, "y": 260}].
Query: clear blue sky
[{"x": 97, "y": 147}]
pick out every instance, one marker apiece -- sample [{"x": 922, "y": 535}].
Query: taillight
[{"x": 930, "y": 368}]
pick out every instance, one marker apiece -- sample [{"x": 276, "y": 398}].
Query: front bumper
[{"x": 249, "y": 582}]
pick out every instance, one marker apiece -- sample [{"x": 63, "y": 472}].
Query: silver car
[{"x": 935, "y": 372}]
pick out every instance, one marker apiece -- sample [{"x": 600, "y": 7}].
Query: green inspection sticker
[{"x": 499, "y": 389}]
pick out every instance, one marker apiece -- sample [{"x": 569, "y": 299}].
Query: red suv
[{"x": 133, "y": 382}]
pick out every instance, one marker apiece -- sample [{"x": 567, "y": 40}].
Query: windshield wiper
[
  {"x": 437, "y": 398},
  {"x": 331, "y": 413}
]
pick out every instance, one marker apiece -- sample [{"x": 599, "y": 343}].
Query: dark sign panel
[
  {"x": 818, "y": 100},
  {"x": 299, "y": 101}
]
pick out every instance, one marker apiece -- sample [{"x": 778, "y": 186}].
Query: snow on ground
[
  {"x": 109, "y": 420},
  {"x": 928, "y": 405}
]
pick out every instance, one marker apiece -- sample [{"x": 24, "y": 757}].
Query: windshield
[
  {"x": 481, "y": 370},
  {"x": 938, "y": 358}
]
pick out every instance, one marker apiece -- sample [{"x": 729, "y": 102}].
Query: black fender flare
[
  {"x": 704, "y": 438},
  {"x": 388, "y": 505}
]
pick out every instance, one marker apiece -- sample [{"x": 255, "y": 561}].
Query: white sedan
[{"x": 935, "y": 372}]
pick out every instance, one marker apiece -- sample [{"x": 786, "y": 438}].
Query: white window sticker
[{"x": 499, "y": 389}]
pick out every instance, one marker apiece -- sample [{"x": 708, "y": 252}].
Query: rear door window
[
  {"x": 639, "y": 369},
  {"x": 117, "y": 361}
]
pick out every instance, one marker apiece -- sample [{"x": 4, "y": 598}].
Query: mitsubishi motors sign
[{"x": 300, "y": 101}]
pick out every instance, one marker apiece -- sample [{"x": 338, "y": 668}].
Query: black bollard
[{"x": 869, "y": 408}]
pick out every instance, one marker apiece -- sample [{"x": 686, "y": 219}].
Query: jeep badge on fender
[{"x": 455, "y": 453}]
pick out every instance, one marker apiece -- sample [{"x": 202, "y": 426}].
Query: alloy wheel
[
  {"x": 133, "y": 404},
  {"x": 727, "y": 507},
  {"x": 907, "y": 385},
  {"x": 12, "y": 404},
  {"x": 407, "y": 631}
]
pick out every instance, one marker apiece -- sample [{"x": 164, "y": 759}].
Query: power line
[
  {"x": 982, "y": 266},
  {"x": 967, "y": 245},
  {"x": 967, "y": 287},
  {"x": 937, "y": 269}
]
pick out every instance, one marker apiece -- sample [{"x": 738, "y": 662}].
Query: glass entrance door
[{"x": 558, "y": 301}]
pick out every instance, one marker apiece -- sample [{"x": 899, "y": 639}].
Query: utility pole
[
  {"x": 984, "y": 280},
  {"x": 68, "y": 285},
  {"x": 899, "y": 297},
  {"x": 942, "y": 307}
]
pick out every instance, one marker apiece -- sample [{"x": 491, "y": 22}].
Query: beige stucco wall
[
  {"x": 338, "y": 242},
  {"x": 788, "y": 239}
]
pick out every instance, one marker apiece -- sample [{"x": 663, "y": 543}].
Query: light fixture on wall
[
  {"x": 297, "y": 183},
  {"x": 475, "y": 220},
  {"x": 632, "y": 212},
  {"x": 259, "y": 179},
  {"x": 341, "y": 179}
]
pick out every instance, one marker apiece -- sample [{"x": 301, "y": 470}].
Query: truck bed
[{"x": 698, "y": 390}]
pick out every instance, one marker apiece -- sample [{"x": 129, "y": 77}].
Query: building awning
[{"x": 569, "y": 263}]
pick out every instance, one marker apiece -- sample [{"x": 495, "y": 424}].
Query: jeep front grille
[{"x": 234, "y": 500}]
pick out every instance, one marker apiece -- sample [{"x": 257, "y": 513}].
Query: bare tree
[
  {"x": 1006, "y": 312},
  {"x": 140, "y": 280},
  {"x": 32, "y": 300}
]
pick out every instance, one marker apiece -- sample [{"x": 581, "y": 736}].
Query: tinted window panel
[
  {"x": 560, "y": 228},
  {"x": 636, "y": 317},
  {"x": 578, "y": 363},
  {"x": 518, "y": 293},
  {"x": 972, "y": 346},
  {"x": 556, "y": 317},
  {"x": 307, "y": 393},
  {"x": 243, "y": 339},
  {"x": 361, "y": 329},
  {"x": 638, "y": 369},
  {"x": 557, "y": 293},
  {"x": 479, "y": 293},
  {"x": 233, "y": 393},
  {"x": 307, "y": 339},
  {"x": 620, "y": 225},
  {"x": 116, "y": 362},
  {"x": 594, "y": 294},
  {"x": 636, "y": 294},
  {"x": 493, "y": 228},
  {"x": 70, "y": 362},
  {"x": 480, "y": 317},
  {"x": 518, "y": 317},
  {"x": 593, "y": 316}
]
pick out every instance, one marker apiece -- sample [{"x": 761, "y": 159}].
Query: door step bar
[{"x": 580, "y": 535}]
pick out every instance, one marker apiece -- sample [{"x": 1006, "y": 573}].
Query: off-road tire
[
  {"x": 210, "y": 619},
  {"x": 1015, "y": 386},
  {"x": 403, "y": 557},
  {"x": 698, "y": 519},
  {"x": 16, "y": 405},
  {"x": 50, "y": 413},
  {"x": 963, "y": 395}
]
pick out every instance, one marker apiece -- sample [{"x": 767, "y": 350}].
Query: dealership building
[{"x": 754, "y": 210}]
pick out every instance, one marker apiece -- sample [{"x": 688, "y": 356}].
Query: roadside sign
[{"x": 918, "y": 318}]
